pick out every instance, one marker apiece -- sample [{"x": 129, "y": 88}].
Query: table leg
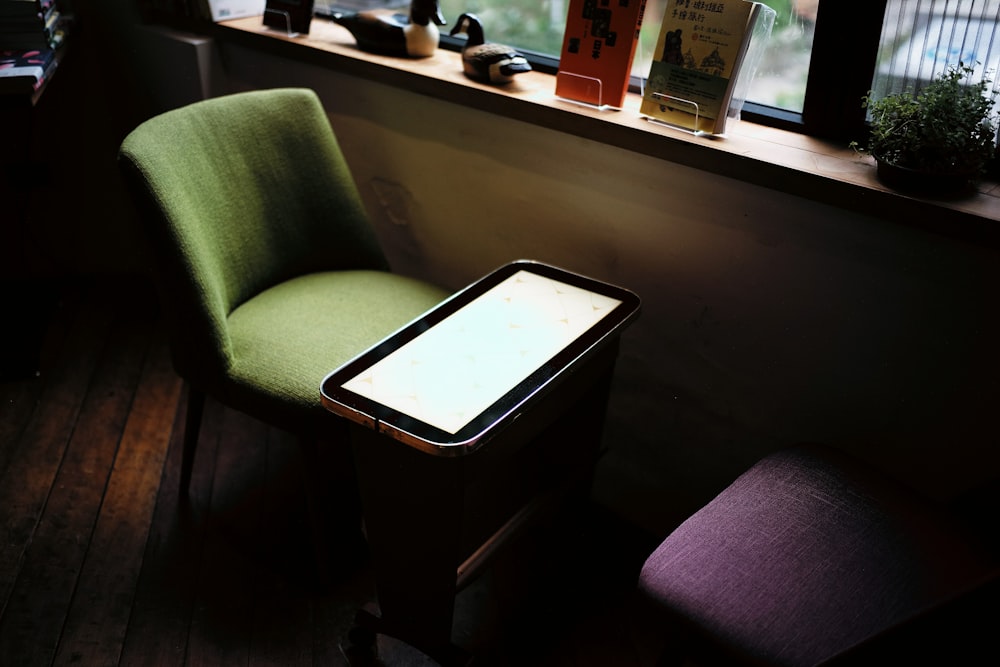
[{"x": 413, "y": 507}]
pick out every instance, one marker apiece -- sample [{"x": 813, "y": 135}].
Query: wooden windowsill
[{"x": 764, "y": 156}]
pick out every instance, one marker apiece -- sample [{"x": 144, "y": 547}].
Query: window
[
  {"x": 920, "y": 40},
  {"x": 824, "y": 56}
]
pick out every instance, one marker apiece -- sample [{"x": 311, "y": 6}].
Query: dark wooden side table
[{"x": 466, "y": 425}]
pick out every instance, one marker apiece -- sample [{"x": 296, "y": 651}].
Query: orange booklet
[{"x": 598, "y": 47}]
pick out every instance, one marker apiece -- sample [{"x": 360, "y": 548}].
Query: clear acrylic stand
[
  {"x": 585, "y": 80},
  {"x": 288, "y": 21},
  {"x": 686, "y": 106},
  {"x": 758, "y": 43}
]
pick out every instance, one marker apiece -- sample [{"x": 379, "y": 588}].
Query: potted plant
[{"x": 938, "y": 141}]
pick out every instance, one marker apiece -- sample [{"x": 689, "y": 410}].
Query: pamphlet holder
[
  {"x": 746, "y": 69},
  {"x": 687, "y": 106},
  {"x": 760, "y": 36},
  {"x": 282, "y": 17},
  {"x": 580, "y": 88}
]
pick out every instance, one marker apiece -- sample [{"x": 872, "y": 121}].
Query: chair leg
[{"x": 192, "y": 427}]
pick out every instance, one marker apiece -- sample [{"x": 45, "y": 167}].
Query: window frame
[{"x": 835, "y": 112}]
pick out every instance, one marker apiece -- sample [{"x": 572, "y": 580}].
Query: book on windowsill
[
  {"x": 225, "y": 10},
  {"x": 25, "y": 72},
  {"x": 699, "y": 55},
  {"x": 598, "y": 47}
]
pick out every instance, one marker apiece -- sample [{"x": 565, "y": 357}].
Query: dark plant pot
[{"x": 940, "y": 185}]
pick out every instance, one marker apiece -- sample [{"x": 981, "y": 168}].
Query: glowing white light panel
[{"x": 455, "y": 370}]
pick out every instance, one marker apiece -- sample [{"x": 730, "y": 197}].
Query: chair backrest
[{"x": 239, "y": 193}]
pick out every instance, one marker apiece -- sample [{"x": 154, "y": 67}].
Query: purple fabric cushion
[{"x": 805, "y": 555}]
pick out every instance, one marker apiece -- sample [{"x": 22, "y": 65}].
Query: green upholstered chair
[{"x": 267, "y": 268}]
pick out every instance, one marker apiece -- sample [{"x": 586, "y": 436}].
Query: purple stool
[{"x": 811, "y": 557}]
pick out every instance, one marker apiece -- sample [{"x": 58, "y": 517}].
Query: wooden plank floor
[{"x": 101, "y": 564}]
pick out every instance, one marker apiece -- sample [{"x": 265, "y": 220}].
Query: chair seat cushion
[
  {"x": 288, "y": 338},
  {"x": 803, "y": 556}
]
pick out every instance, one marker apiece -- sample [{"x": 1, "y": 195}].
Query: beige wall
[{"x": 767, "y": 319}]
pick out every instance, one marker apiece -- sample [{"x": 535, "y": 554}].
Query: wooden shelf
[{"x": 764, "y": 156}]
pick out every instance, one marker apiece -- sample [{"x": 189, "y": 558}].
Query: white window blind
[{"x": 922, "y": 38}]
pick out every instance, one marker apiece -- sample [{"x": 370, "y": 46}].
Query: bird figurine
[
  {"x": 484, "y": 61},
  {"x": 395, "y": 34}
]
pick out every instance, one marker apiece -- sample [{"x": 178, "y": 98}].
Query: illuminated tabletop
[{"x": 445, "y": 382}]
